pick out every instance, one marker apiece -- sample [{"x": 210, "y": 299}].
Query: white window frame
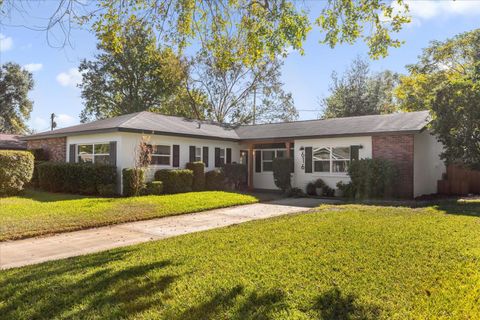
[
  {"x": 162, "y": 155},
  {"x": 198, "y": 158},
  {"x": 93, "y": 154},
  {"x": 274, "y": 156},
  {"x": 331, "y": 160}
]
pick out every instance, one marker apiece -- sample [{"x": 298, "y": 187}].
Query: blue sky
[{"x": 307, "y": 77}]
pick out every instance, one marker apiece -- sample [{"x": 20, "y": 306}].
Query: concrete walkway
[{"x": 35, "y": 250}]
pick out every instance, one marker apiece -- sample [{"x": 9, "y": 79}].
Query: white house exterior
[{"x": 320, "y": 148}]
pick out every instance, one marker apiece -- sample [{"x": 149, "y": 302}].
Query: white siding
[
  {"x": 427, "y": 165},
  {"x": 128, "y": 142},
  {"x": 301, "y": 179}
]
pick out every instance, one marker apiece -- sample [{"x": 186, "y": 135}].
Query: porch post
[
  {"x": 250, "y": 167},
  {"x": 287, "y": 145}
]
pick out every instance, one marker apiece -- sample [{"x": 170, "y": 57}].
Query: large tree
[
  {"x": 15, "y": 106},
  {"x": 134, "y": 76},
  {"x": 359, "y": 92},
  {"x": 441, "y": 63}
]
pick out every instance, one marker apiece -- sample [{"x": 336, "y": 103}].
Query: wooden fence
[{"x": 460, "y": 181}]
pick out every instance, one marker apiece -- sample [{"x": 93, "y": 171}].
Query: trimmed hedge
[
  {"x": 133, "y": 182},
  {"x": 371, "y": 178},
  {"x": 215, "y": 180},
  {"x": 16, "y": 170},
  {"x": 236, "y": 174},
  {"x": 78, "y": 178},
  {"x": 34, "y": 182},
  {"x": 155, "y": 188},
  {"x": 198, "y": 169},
  {"x": 175, "y": 181}
]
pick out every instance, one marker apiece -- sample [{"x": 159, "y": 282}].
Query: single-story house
[
  {"x": 12, "y": 142},
  {"x": 320, "y": 148}
]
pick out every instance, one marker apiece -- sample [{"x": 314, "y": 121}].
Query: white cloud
[
  {"x": 70, "y": 78},
  {"x": 6, "y": 43},
  {"x": 65, "y": 120},
  {"x": 32, "y": 67},
  {"x": 426, "y": 9}
]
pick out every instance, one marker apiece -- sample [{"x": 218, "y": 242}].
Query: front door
[{"x": 244, "y": 160}]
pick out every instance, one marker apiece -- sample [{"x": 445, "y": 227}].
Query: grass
[
  {"x": 338, "y": 262},
  {"x": 37, "y": 213}
]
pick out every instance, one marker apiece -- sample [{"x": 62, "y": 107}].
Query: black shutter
[
  {"x": 258, "y": 161},
  {"x": 192, "y": 154},
  {"x": 205, "y": 156},
  {"x": 308, "y": 160},
  {"x": 113, "y": 153},
  {"x": 72, "y": 155},
  {"x": 217, "y": 158},
  {"x": 229, "y": 155},
  {"x": 176, "y": 156},
  {"x": 292, "y": 160},
  {"x": 354, "y": 153}
]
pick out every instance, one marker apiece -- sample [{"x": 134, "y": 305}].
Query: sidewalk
[{"x": 35, "y": 250}]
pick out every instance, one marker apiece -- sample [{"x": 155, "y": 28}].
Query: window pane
[
  {"x": 85, "y": 148},
  {"x": 222, "y": 153},
  {"x": 198, "y": 152},
  {"x": 102, "y": 159},
  {"x": 102, "y": 148},
  {"x": 321, "y": 166},
  {"x": 341, "y": 153},
  {"x": 340, "y": 166},
  {"x": 321, "y": 154},
  {"x": 267, "y": 166},
  {"x": 163, "y": 150},
  {"x": 160, "y": 160},
  {"x": 268, "y": 155},
  {"x": 85, "y": 158}
]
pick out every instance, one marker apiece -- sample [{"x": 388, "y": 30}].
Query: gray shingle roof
[
  {"x": 363, "y": 125},
  {"x": 153, "y": 123},
  {"x": 11, "y": 142}
]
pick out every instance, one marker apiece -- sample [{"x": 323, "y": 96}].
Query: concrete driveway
[{"x": 35, "y": 250}]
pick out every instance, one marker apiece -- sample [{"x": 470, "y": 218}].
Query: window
[
  {"x": 94, "y": 153},
  {"x": 331, "y": 159},
  {"x": 160, "y": 155},
  {"x": 222, "y": 156},
  {"x": 198, "y": 154},
  {"x": 268, "y": 156}
]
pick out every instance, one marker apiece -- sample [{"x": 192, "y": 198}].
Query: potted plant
[{"x": 319, "y": 187}]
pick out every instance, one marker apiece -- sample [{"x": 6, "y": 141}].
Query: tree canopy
[
  {"x": 15, "y": 106},
  {"x": 139, "y": 77},
  {"x": 359, "y": 92}
]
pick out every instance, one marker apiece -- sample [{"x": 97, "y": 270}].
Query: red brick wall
[
  {"x": 399, "y": 149},
  {"x": 56, "y": 148}
]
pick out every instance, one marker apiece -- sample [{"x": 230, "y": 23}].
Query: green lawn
[
  {"x": 37, "y": 213},
  {"x": 339, "y": 262}
]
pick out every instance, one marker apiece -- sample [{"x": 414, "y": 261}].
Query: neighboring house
[
  {"x": 12, "y": 142},
  {"x": 320, "y": 148}
]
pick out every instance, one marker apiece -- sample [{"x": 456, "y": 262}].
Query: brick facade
[
  {"x": 56, "y": 148},
  {"x": 399, "y": 149}
]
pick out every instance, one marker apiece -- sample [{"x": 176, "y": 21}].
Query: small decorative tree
[
  {"x": 143, "y": 158},
  {"x": 282, "y": 173},
  {"x": 236, "y": 174}
]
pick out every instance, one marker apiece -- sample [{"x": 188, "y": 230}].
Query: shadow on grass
[
  {"x": 86, "y": 287},
  {"x": 43, "y": 196},
  {"x": 333, "y": 304},
  {"x": 255, "y": 305}
]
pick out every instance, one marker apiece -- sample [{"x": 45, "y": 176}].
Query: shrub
[
  {"x": 347, "y": 189},
  {"x": 198, "y": 169},
  {"x": 372, "y": 178},
  {"x": 175, "y": 181},
  {"x": 133, "y": 182},
  {"x": 107, "y": 190},
  {"x": 16, "y": 170},
  {"x": 236, "y": 174},
  {"x": 34, "y": 182},
  {"x": 82, "y": 178},
  {"x": 311, "y": 189},
  {"x": 296, "y": 193},
  {"x": 319, "y": 183},
  {"x": 281, "y": 173},
  {"x": 215, "y": 180},
  {"x": 155, "y": 188}
]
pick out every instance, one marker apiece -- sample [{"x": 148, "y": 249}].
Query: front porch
[{"x": 258, "y": 156}]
